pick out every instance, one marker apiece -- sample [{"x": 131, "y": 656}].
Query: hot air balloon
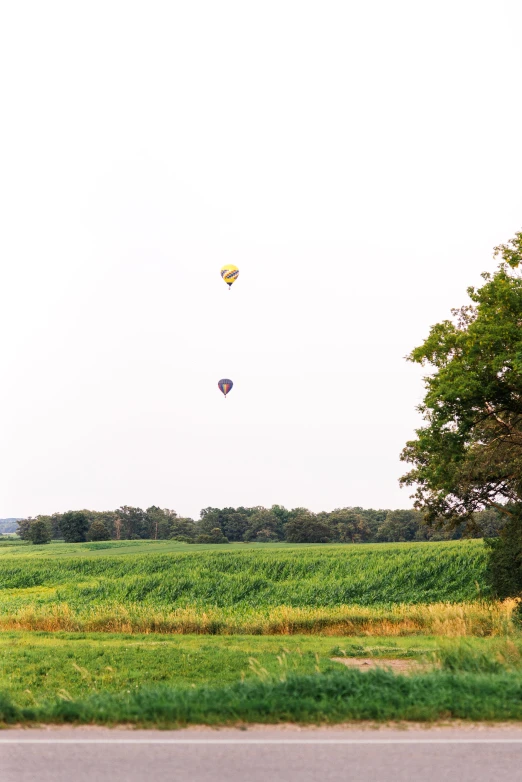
[
  {"x": 230, "y": 274},
  {"x": 225, "y": 386}
]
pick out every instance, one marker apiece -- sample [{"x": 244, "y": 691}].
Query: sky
[{"x": 358, "y": 161}]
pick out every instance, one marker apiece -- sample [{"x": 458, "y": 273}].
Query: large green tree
[
  {"x": 468, "y": 454},
  {"x": 158, "y": 522},
  {"x": 39, "y": 532},
  {"x": 307, "y": 527},
  {"x": 347, "y": 525},
  {"x": 74, "y": 526},
  {"x": 131, "y": 523},
  {"x": 233, "y": 522},
  {"x": 264, "y": 526},
  {"x": 401, "y": 525}
]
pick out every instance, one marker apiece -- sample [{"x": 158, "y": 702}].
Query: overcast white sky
[{"x": 357, "y": 160}]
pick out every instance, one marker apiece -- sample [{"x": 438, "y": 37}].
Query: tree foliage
[
  {"x": 306, "y": 527},
  {"x": 261, "y": 525},
  {"x": 39, "y": 532},
  {"x": 468, "y": 455},
  {"x": 74, "y": 526},
  {"x": 349, "y": 525},
  {"x": 98, "y": 531},
  {"x": 505, "y": 559}
]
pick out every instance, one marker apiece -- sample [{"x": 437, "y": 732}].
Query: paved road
[{"x": 262, "y": 755}]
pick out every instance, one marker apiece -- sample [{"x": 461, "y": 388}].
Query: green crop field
[
  {"x": 164, "y": 633},
  {"x": 171, "y": 587},
  {"x": 166, "y": 574}
]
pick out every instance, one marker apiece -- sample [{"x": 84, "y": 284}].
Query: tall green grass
[
  {"x": 311, "y": 576},
  {"x": 177, "y": 680},
  {"x": 340, "y": 589},
  {"x": 332, "y": 697}
]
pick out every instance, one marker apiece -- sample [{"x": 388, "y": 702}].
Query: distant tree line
[{"x": 252, "y": 525}]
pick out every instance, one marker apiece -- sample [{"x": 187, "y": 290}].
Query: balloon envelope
[
  {"x": 230, "y": 273},
  {"x": 225, "y": 385}
]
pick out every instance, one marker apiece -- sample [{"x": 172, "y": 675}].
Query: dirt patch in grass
[{"x": 368, "y": 663}]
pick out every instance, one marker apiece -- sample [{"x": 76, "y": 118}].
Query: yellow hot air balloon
[{"x": 230, "y": 273}]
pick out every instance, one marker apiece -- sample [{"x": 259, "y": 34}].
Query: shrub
[
  {"x": 216, "y": 536},
  {"x": 203, "y": 539}
]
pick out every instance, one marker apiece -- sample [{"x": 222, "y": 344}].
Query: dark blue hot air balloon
[{"x": 225, "y": 386}]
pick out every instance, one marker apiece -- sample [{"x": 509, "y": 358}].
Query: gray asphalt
[{"x": 285, "y": 754}]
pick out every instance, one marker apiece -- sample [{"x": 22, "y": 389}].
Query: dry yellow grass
[{"x": 479, "y": 618}]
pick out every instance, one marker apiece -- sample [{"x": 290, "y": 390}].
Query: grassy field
[
  {"x": 163, "y": 633},
  {"x": 177, "y": 680},
  {"x": 163, "y": 586}
]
